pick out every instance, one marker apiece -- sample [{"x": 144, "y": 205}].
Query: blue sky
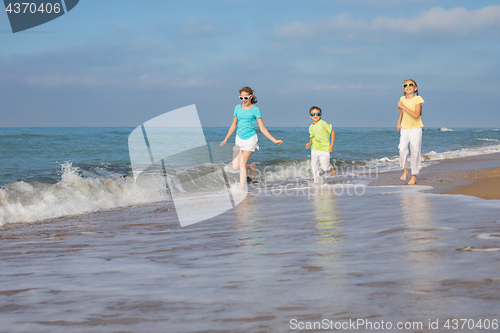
[{"x": 122, "y": 62}]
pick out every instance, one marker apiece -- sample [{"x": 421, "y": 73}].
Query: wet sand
[
  {"x": 476, "y": 176},
  {"x": 392, "y": 254},
  {"x": 487, "y": 188}
]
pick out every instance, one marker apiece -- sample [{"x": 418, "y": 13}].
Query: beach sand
[
  {"x": 475, "y": 175},
  {"x": 487, "y": 187},
  {"x": 397, "y": 254}
]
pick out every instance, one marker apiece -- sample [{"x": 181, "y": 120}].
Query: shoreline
[
  {"x": 135, "y": 268},
  {"x": 477, "y": 176}
]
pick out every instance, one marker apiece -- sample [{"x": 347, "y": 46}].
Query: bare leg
[
  {"x": 332, "y": 171},
  {"x": 236, "y": 159},
  {"x": 251, "y": 167},
  {"x": 405, "y": 173},
  {"x": 245, "y": 156},
  {"x": 413, "y": 180}
]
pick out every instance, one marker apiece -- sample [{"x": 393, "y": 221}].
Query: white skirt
[{"x": 248, "y": 144}]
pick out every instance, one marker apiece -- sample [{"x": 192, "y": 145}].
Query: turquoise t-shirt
[{"x": 246, "y": 121}]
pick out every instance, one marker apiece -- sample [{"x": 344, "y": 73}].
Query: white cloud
[
  {"x": 145, "y": 81},
  {"x": 342, "y": 50},
  {"x": 434, "y": 22},
  {"x": 201, "y": 30},
  {"x": 346, "y": 86},
  {"x": 150, "y": 81},
  {"x": 200, "y": 27},
  {"x": 330, "y": 87},
  {"x": 54, "y": 80}
]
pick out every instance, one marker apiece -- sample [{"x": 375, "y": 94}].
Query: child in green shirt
[{"x": 320, "y": 143}]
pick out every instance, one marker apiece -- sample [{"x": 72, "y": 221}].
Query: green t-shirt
[{"x": 321, "y": 135}]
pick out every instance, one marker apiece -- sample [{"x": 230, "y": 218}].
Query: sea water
[
  {"x": 287, "y": 254},
  {"x": 394, "y": 255},
  {"x": 51, "y": 172}
]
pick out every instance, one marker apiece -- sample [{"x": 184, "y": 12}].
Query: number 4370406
[
  {"x": 26, "y": 8},
  {"x": 471, "y": 324}
]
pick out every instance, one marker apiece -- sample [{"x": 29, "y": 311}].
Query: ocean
[
  {"x": 54, "y": 172},
  {"x": 83, "y": 248}
]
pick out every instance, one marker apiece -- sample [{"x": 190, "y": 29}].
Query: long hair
[
  {"x": 416, "y": 86},
  {"x": 250, "y": 91}
]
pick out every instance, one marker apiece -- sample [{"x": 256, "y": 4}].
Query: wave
[
  {"x": 84, "y": 190},
  {"x": 463, "y": 152},
  {"x": 486, "y": 139},
  {"x": 391, "y": 163},
  {"x": 444, "y": 129},
  {"x": 102, "y": 187},
  {"x": 72, "y": 195}
]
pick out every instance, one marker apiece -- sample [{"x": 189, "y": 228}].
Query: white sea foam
[
  {"x": 489, "y": 236},
  {"x": 388, "y": 164},
  {"x": 486, "y": 139},
  {"x": 286, "y": 171},
  {"x": 73, "y": 194},
  {"x": 77, "y": 194},
  {"x": 444, "y": 129},
  {"x": 463, "y": 152},
  {"x": 473, "y": 249}
]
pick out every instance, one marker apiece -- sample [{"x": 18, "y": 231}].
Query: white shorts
[{"x": 248, "y": 144}]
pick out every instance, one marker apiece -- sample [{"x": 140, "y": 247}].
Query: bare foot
[
  {"x": 332, "y": 172},
  {"x": 251, "y": 167},
  {"x": 413, "y": 180},
  {"x": 405, "y": 173}
]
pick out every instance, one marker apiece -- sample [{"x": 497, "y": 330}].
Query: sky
[{"x": 118, "y": 63}]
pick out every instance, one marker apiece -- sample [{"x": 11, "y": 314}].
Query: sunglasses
[
  {"x": 245, "y": 98},
  {"x": 315, "y": 114},
  {"x": 406, "y": 85}
]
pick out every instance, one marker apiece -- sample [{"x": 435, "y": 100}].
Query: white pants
[
  {"x": 322, "y": 157},
  {"x": 413, "y": 136}
]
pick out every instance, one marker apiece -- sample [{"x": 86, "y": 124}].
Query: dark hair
[
  {"x": 250, "y": 91},
  {"x": 315, "y": 108},
  {"x": 415, "y": 83}
]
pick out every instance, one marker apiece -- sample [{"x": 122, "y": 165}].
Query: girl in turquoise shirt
[{"x": 244, "y": 118}]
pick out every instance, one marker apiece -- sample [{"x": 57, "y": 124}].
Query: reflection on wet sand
[
  {"x": 327, "y": 220},
  {"x": 419, "y": 231},
  {"x": 386, "y": 255},
  {"x": 419, "y": 240}
]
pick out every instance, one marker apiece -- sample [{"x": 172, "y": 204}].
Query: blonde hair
[
  {"x": 250, "y": 91},
  {"x": 416, "y": 86}
]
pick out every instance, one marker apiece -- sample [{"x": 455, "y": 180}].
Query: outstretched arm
[
  {"x": 268, "y": 135},
  {"x": 230, "y": 132},
  {"x": 414, "y": 114}
]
